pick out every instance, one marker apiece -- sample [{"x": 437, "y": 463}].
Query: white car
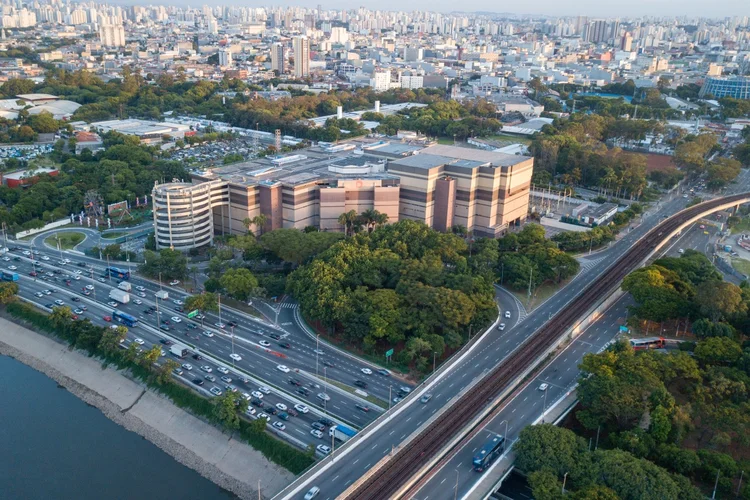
[
  {"x": 141, "y": 288},
  {"x": 281, "y": 407},
  {"x": 264, "y": 343},
  {"x": 187, "y": 366},
  {"x": 207, "y": 334},
  {"x": 507, "y": 314},
  {"x": 138, "y": 341},
  {"x": 265, "y": 415},
  {"x": 221, "y": 369},
  {"x": 279, "y": 425},
  {"x": 257, "y": 394},
  {"x": 264, "y": 389},
  {"x": 176, "y": 319},
  {"x": 317, "y": 433},
  {"x": 250, "y": 410},
  {"x": 301, "y": 408},
  {"x": 76, "y": 277},
  {"x": 323, "y": 449},
  {"x": 366, "y": 371},
  {"x": 101, "y": 280},
  {"x": 26, "y": 252},
  {"x": 137, "y": 301},
  {"x": 6, "y": 258},
  {"x": 235, "y": 357},
  {"x": 283, "y": 368},
  {"x": 178, "y": 302},
  {"x": 501, "y": 326},
  {"x": 89, "y": 287},
  {"x": 323, "y": 396},
  {"x": 215, "y": 391},
  {"x": 543, "y": 387},
  {"x": 220, "y": 325},
  {"x": 141, "y": 294},
  {"x": 44, "y": 257},
  {"x": 206, "y": 368},
  {"x": 174, "y": 282},
  {"x": 12, "y": 268},
  {"x": 113, "y": 303}
]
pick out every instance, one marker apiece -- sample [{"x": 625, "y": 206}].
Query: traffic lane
[{"x": 526, "y": 407}]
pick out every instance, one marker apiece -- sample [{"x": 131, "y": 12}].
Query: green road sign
[
  {"x": 193, "y": 314},
  {"x": 389, "y": 353}
]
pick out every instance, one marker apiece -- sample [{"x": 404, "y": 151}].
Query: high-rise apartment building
[
  {"x": 277, "y": 58},
  {"x": 597, "y": 31},
  {"x": 225, "y": 57},
  {"x": 112, "y": 35},
  {"x": 301, "y": 46}
]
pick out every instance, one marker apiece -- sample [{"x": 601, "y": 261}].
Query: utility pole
[
  {"x": 531, "y": 273},
  {"x": 716, "y": 484},
  {"x": 232, "y": 329},
  {"x": 317, "y": 348}
]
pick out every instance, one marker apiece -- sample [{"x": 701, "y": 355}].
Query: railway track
[{"x": 387, "y": 481}]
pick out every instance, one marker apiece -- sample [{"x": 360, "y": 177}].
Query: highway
[
  {"x": 494, "y": 347},
  {"x": 560, "y": 375}
]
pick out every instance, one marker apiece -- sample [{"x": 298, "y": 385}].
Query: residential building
[
  {"x": 301, "y": 45},
  {"x": 277, "y": 58},
  {"x": 225, "y": 58},
  {"x": 112, "y": 35}
]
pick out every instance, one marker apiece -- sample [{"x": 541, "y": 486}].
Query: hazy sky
[{"x": 592, "y": 8}]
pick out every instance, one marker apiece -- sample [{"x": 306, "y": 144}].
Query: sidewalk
[{"x": 229, "y": 463}]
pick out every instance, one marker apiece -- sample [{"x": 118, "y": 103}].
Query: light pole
[
  {"x": 109, "y": 274},
  {"x": 544, "y": 406},
  {"x": 455, "y": 495},
  {"x": 434, "y": 355},
  {"x": 390, "y": 388},
  {"x": 232, "y": 356},
  {"x": 317, "y": 348},
  {"x": 506, "y": 430},
  {"x": 218, "y": 298},
  {"x": 565, "y": 478}
]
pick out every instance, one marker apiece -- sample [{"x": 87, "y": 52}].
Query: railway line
[{"x": 392, "y": 475}]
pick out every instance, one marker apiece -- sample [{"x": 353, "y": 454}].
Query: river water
[{"x": 55, "y": 446}]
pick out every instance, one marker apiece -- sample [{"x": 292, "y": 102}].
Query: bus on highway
[
  {"x": 118, "y": 273},
  {"x": 488, "y": 453},
  {"x": 647, "y": 343},
  {"x": 124, "y": 318}
]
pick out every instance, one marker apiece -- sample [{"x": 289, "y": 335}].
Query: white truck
[
  {"x": 179, "y": 350},
  {"x": 162, "y": 294},
  {"x": 341, "y": 432},
  {"x": 125, "y": 285},
  {"x": 120, "y": 296}
]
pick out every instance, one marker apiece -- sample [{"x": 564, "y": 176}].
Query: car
[
  {"x": 265, "y": 390},
  {"x": 86, "y": 293},
  {"x": 235, "y": 357},
  {"x": 216, "y": 391},
  {"x": 360, "y": 383},
  {"x": 47, "y": 292},
  {"x": 113, "y": 303},
  {"x": 279, "y": 425},
  {"x": 207, "y": 368},
  {"x": 140, "y": 288},
  {"x": 141, "y": 294},
  {"x": 232, "y": 324},
  {"x": 206, "y": 333},
  {"x": 328, "y": 364},
  {"x": 397, "y": 400},
  {"x": 137, "y": 301},
  {"x": 507, "y": 314},
  {"x": 59, "y": 302},
  {"x": 323, "y": 449},
  {"x": 702, "y": 226},
  {"x": 384, "y": 372},
  {"x": 177, "y": 302},
  {"x": 312, "y": 493},
  {"x": 164, "y": 327},
  {"x": 12, "y": 268},
  {"x": 220, "y": 325},
  {"x": 425, "y": 398},
  {"x": 166, "y": 341},
  {"x": 323, "y": 396},
  {"x": 317, "y": 433},
  {"x": 226, "y": 379},
  {"x": 405, "y": 389},
  {"x": 271, "y": 410},
  {"x": 250, "y": 410},
  {"x": 283, "y": 368},
  {"x": 318, "y": 426},
  {"x": 543, "y": 387},
  {"x": 89, "y": 287},
  {"x": 265, "y": 415},
  {"x": 178, "y": 371},
  {"x": 303, "y": 391},
  {"x": 230, "y": 388},
  {"x": 198, "y": 381},
  {"x": 362, "y": 407},
  {"x": 78, "y": 311},
  {"x": 101, "y": 280},
  {"x": 285, "y": 345},
  {"x": 264, "y": 343},
  {"x": 210, "y": 378},
  {"x": 245, "y": 380},
  {"x": 32, "y": 273},
  {"x": 681, "y": 250},
  {"x": 257, "y": 394},
  {"x": 174, "y": 282},
  {"x": 281, "y": 406},
  {"x": 6, "y": 258},
  {"x": 684, "y": 196},
  {"x": 26, "y": 252},
  {"x": 366, "y": 371},
  {"x": 275, "y": 336},
  {"x": 256, "y": 402},
  {"x": 176, "y": 319},
  {"x": 39, "y": 294},
  {"x": 221, "y": 369},
  {"x": 187, "y": 366},
  {"x": 192, "y": 326},
  {"x": 49, "y": 306},
  {"x": 295, "y": 381},
  {"x": 501, "y": 326},
  {"x": 76, "y": 277},
  {"x": 179, "y": 309},
  {"x": 44, "y": 257},
  {"x": 107, "y": 318}
]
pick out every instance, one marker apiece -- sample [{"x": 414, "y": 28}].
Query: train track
[{"x": 406, "y": 463}]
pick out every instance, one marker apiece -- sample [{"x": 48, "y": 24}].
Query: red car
[
  {"x": 107, "y": 318},
  {"x": 32, "y": 273}
]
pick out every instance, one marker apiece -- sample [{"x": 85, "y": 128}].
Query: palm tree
[
  {"x": 259, "y": 221},
  {"x": 247, "y": 221},
  {"x": 348, "y": 220},
  {"x": 371, "y": 219}
]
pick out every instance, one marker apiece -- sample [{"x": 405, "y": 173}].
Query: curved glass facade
[{"x": 738, "y": 87}]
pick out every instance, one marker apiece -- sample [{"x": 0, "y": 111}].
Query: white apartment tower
[
  {"x": 112, "y": 35},
  {"x": 225, "y": 58},
  {"x": 277, "y": 58},
  {"x": 301, "y": 57}
]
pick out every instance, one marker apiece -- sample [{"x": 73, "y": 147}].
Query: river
[{"x": 53, "y": 445}]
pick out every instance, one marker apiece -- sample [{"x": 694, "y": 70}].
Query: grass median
[
  {"x": 370, "y": 398},
  {"x": 67, "y": 240}
]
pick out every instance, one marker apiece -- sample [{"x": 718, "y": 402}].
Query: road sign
[
  {"x": 389, "y": 353},
  {"x": 193, "y": 314},
  {"x": 624, "y": 329}
]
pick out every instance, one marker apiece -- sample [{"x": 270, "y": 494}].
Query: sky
[{"x": 591, "y": 8}]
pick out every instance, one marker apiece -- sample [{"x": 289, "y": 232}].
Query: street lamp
[
  {"x": 455, "y": 495},
  {"x": 565, "y": 478},
  {"x": 544, "y": 406},
  {"x": 232, "y": 356},
  {"x": 317, "y": 350},
  {"x": 434, "y": 355}
]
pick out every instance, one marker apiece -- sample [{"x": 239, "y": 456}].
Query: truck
[
  {"x": 8, "y": 276},
  {"x": 120, "y": 296},
  {"x": 161, "y": 294},
  {"x": 125, "y": 285},
  {"x": 179, "y": 350},
  {"x": 341, "y": 432}
]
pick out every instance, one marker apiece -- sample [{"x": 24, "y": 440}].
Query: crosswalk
[
  {"x": 588, "y": 264},
  {"x": 289, "y": 305}
]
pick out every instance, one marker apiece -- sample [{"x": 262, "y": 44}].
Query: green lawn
[
  {"x": 742, "y": 226},
  {"x": 112, "y": 236},
  {"x": 540, "y": 294},
  {"x": 68, "y": 241},
  {"x": 512, "y": 138},
  {"x": 742, "y": 266},
  {"x": 446, "y": 140}
]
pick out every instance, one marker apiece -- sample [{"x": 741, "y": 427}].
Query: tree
[
  {"x": 545, "y": 485},
  {"x": 150, "y": 357},
  {"x": 349, "y": 220},
  {"x": 719, "y": 299},
  {"x": 258, "y": 426},
  {"x": 112, "y": 251},
  {"x": 111, "y": 339},
  {"x": 225, "y": 409},
  {"x": 239, "y": 283},
  {"x": 206, "y": 302},
  {"x": 371, "y": 219},
  {"x": 259, "y": 221},
  {"x": 44, "y": 123},
  {"x": 164, "y": 372},
  {"x": 660, "y": 424},
  {"x": 167, "y": 264},
  {"x": 718, "y": 351},
  {"x": 8, "y": 292},
  {"x": 547, "y": 447}
]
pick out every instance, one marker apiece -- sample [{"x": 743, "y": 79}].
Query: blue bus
[
  {"x": 488, "y": 453},
  {"x": 124, "y": 318},
  {"x": 119, "y": 273}
]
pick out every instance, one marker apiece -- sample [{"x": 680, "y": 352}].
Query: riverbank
[{"x": 219, "y": 457}]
